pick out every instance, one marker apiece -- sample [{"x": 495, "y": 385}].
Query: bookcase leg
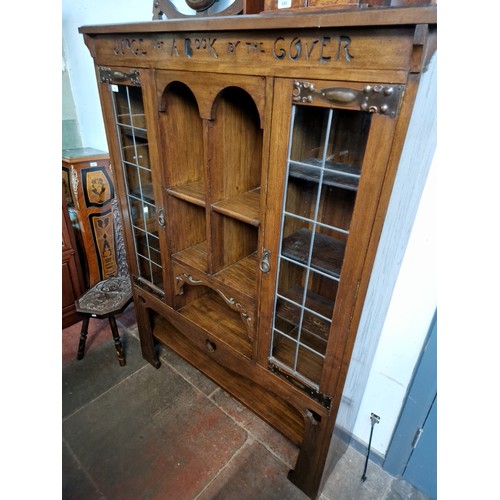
[
  {"x": 308, "y": 472},
  {"x": 146, "y": 334}
]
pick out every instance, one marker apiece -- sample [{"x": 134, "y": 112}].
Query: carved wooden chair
[
  {"x": 104, "y": 300},
  {"x": 108, "y": 297}
]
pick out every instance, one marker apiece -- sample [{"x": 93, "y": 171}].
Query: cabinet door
[
  {"x": 327, "y": 193},
  {"x": 124, "y": 96}
]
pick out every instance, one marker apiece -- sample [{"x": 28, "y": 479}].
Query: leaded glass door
[
  {"x": 144, "y": 216},
  {"x": 324, "y": 165}
]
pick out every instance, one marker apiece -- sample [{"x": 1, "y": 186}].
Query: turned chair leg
[
  {"x": 116, "y": 338},
  {"x": 83, "y": 338}
]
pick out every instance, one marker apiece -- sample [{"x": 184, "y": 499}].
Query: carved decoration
[
  {"x": 74, "y": 185},
  {"x": 183, "y": 278},
  {"x": 106, "y": 296},
  {"x": 121, "y": 255},
  {"x": 103, "y": 235},
  {"x": 66, "y": 187},
  {"x": 382, "y": 99}
]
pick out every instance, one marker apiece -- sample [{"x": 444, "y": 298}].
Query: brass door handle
[
  {"x": 265, "y": 267},
  {"x": 161, "y": 217}
]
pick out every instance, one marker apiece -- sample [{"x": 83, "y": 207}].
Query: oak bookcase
[{"x": 254, "y": 158}]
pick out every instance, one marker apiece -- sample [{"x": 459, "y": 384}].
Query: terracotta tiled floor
[{"x": 137, "y": 432}]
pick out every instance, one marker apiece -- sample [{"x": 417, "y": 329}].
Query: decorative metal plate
[
  {"x": 108, "y": 75},
  {"x": 382, "y": 99}
]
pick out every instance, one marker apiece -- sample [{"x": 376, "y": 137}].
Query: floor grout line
[
  {"x": 247, "y": 443},
  {"x": 84, "y": 469},
  {"x": 103, "y": 393},
  {"x": 209, "y": 397}
]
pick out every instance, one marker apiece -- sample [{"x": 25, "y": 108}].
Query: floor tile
[
  {"x": 189, "y": 372},
  {"x": 279, "y": 445},
  {"x": 401, "y": 490},
  {"x": 253, "y": 474},
  {"x": 127, "y": 318},
  {"x": 97, "y": 372},
  {"x": 345, "y": 482},
  {"x": 99, "y": 332},
  {"x": 152, "y": 437}
]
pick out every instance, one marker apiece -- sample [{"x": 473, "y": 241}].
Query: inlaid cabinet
[
  {"x": 89, "y": 190},
  {"x": 254, "y": 161}
]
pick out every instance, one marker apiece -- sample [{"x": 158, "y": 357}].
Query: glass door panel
[
  {"x": 133, "y": 140},
  {"x": 323, "y": 169}
]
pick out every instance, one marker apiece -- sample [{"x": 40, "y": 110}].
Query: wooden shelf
[
  {"x": 195, "y": 256},
  {"x": 242, "y": 275},
  {"x": 328, "y": 252},
  {"x": 211, "y": 313},
  {"x": 334, "y": 174},
  {"x": 138, "y": 133},
  {"x": 314, "y": 325},
  {"x": 194, "y": 192},
  {"x": 309, "y": 365},
  {"x": 244, "y": 207},
  {"x": 147, "y": 194}
]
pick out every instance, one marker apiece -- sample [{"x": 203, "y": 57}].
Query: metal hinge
[
  {"x": 416, "y": 439},
  {"x": 318, "y": 396}
]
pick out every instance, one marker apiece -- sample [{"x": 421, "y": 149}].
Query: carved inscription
[
  {"x": 322, "y": 49},
  {"x": 136, "y": 46}
]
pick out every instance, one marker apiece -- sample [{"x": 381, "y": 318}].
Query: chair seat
[{"x": 106, "y": 298}]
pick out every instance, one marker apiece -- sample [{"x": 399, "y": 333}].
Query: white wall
[
  {"x": 406, "y": 325},
  {"x": 401, "y": 297},
  {"x": 79, "y": 62},
  {"x": 414, "y": 298}
]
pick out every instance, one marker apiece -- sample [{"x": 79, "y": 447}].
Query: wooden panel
[
  {"x": 187, "y": 224},
  {"x": 220, "y": 321},
  {"x": 232, "y": 241},
  {"x": 207, "y": 90},
  {"x": 263, "y": 53},
  {"x": 181, "y": 135}
]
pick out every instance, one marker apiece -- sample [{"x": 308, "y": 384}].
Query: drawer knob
[{"x": 210, "y": 345}]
